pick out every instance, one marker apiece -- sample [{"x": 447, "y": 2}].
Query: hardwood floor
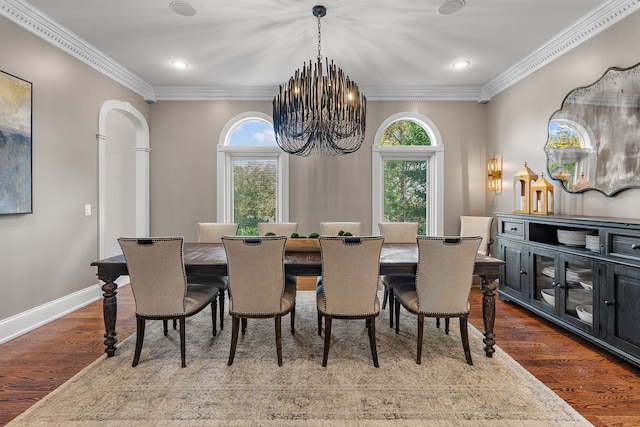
[{"x": 603, "y": 388}]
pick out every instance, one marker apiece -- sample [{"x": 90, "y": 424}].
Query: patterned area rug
[{"x": 254, "y": 391}]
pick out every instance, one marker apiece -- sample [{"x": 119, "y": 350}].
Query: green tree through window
[{"x": 405, "y": 181}]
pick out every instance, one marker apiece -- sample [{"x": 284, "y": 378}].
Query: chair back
[
  {"x": 333, "y": 228},
  {"x": 444, "y": 274},
  {"x": 477, "y": 226},
  {"x": 256, "y": 274},
  {"x": 350, "y": 269},
  {"x": 399, "y": 232},
  {"x": 212, "y": 232},
  {"x": 279, "y": 228},
  {"x": 157, "y": 275}
]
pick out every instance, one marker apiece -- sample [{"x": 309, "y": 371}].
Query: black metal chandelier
[{"x": 317, "y": 114}]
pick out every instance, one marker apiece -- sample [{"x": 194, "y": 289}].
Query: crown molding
[
  {"x": 33, "y": 20},
  {"x": 601, "y": 18},
  {"x": 266, "y": 93}
]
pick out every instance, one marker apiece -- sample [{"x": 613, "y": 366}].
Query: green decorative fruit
[
  {"x": 295, "y": 236},
  {"x": 347, "y": 234},
  {"x": 313, "y": 235},
  {"x": 341, "y": 233},
  {"x": 269, "y": 233}
]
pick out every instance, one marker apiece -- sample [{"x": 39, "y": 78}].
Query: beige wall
[
  {"x": 46, "y": 255},
  {"x": 518, "y": 117},
  {"x": 184, "y": 135}
]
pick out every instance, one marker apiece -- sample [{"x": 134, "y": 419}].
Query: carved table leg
[
  {"x": 110, "y": 311},
  {"x": 488, "y": 288}
]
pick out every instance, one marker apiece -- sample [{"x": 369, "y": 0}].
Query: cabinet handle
[
  {"x": 607, "y": 302},
  {"x": 635, "y": 247},
  {"x": 513, "y": 229},
  {"x": 523, "y": 272},
  {"x": 558, "y": 285}
]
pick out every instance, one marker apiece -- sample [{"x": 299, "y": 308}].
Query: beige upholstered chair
[
  {"x": 159, "y": 285},
  {"x": 443, "y": 283},
  {"x": 349, "y": 285},
  {"x": 212, "y": 232},
  {"x": 257, "y": 285},
  {"x": 279, "y": 228},
  {"x": 478, "y": 226},
  {"x": 333, "y": 228},
  {"x": 396, "y": 232}
]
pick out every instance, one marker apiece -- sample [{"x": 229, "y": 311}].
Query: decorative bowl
[
  {"x": 548, "y": 295},
  {"x": 585, "y": 313},
  {"x": 302, "y": 245}
]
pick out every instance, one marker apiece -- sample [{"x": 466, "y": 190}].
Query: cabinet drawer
[
  {"x": 624, "y": 245},
  {"x": 512, "y": 228}
]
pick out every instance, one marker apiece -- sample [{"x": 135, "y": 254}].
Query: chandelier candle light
[{"x": 317, "y": 114}]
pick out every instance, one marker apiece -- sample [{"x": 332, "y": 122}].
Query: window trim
[
  {"x": 227, "y": 154},
  {"x": 434, "y": 156}
]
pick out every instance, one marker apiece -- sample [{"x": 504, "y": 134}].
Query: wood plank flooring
[{"x": 603, "y": 388}]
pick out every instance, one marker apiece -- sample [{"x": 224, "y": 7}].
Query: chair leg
[
  {"x": 319, "y": 323},
  {"x": 464, "y": 334},
  {"x": 372, "y": 339},
  {"x": 244, "y": 326},
  {"x": 235, "y": 325},
  {"x": 392, "y": 303},
  {"x": 293, "y": 318},
  {"x": 165, "y": 324},
  {"x": 278, "y": 322},
  {"x": 183, "y": 345},
  {"x": 438, "y": 322},
  {"x": 446, "y": 325},
  {"x": 327, "y": 339},
  {"x": 420, "y": 333},
  {"x": 385, "y": 297},
  {"x": 221, "y": 302},
  {"x": 139, "y": 340},
  {"x": 214, "y": 316},
  {"x": 397, "y": 314},
  {"x": 175, "y": 324}
]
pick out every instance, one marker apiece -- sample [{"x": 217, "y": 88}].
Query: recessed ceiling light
[
  {"x": 461, "y": 64},
  {"x": 179, "y": 64},
  {"x": 450, "y": 7},
  {"x": 182, "y": 8}
]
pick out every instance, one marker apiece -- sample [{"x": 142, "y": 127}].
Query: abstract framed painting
[{"x": 15, "y": 145}]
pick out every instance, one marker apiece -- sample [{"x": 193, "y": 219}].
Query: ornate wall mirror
[{"x": 594, "y": 139}]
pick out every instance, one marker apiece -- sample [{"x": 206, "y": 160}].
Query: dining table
[{"x": 205, "y": 261}]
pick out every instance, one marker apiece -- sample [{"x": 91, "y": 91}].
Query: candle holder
[
  {"x": 542, "y": 197},
  {"x": 522, "y": 182}
]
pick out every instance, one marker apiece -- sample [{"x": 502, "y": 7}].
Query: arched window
[
  {"x": 407, "y": 165},
  {"x": 253, "y": 174},
  {"x": 570, "y": 151}
]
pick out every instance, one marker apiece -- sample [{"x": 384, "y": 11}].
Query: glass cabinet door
[
  {"x": 544, "y": 279},
  {"x": 576, "y": 283}
]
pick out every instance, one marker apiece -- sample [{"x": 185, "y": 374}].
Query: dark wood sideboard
[{"x": 579, "y": 272}]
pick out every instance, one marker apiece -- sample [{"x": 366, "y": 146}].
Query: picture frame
[{"x": 16, "y": 150}]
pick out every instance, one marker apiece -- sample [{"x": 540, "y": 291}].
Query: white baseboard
[{"x": 29, "y": 320}]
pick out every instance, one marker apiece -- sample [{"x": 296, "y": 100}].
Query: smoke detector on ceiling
[
  {"x": 450, "y": 7},
  {"x": 182, "y": 8}
]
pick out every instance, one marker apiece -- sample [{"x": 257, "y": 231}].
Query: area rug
[{"x": 254, "y": 391}]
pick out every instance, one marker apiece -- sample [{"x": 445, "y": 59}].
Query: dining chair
[
  {"x": 396, "y": 232},
  {"x": 478, "y": 226},
  {"x": 212, "y": 232},
  {"x": 333, "y": 228},
  {"x": 349, "y": 285},
  {"x": 279, "y": 228},
  {"x": 443, "y": 283},
  {"x": 160, "y": 289},
  {"x": 257, "y": 284}
]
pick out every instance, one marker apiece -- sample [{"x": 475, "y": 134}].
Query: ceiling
[{"x": 399, "y": 48}]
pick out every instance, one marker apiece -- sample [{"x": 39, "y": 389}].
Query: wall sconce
[{"x": 494, "y": 175}]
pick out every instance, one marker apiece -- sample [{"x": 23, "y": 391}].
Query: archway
[{"x": 141, "y": 150}]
